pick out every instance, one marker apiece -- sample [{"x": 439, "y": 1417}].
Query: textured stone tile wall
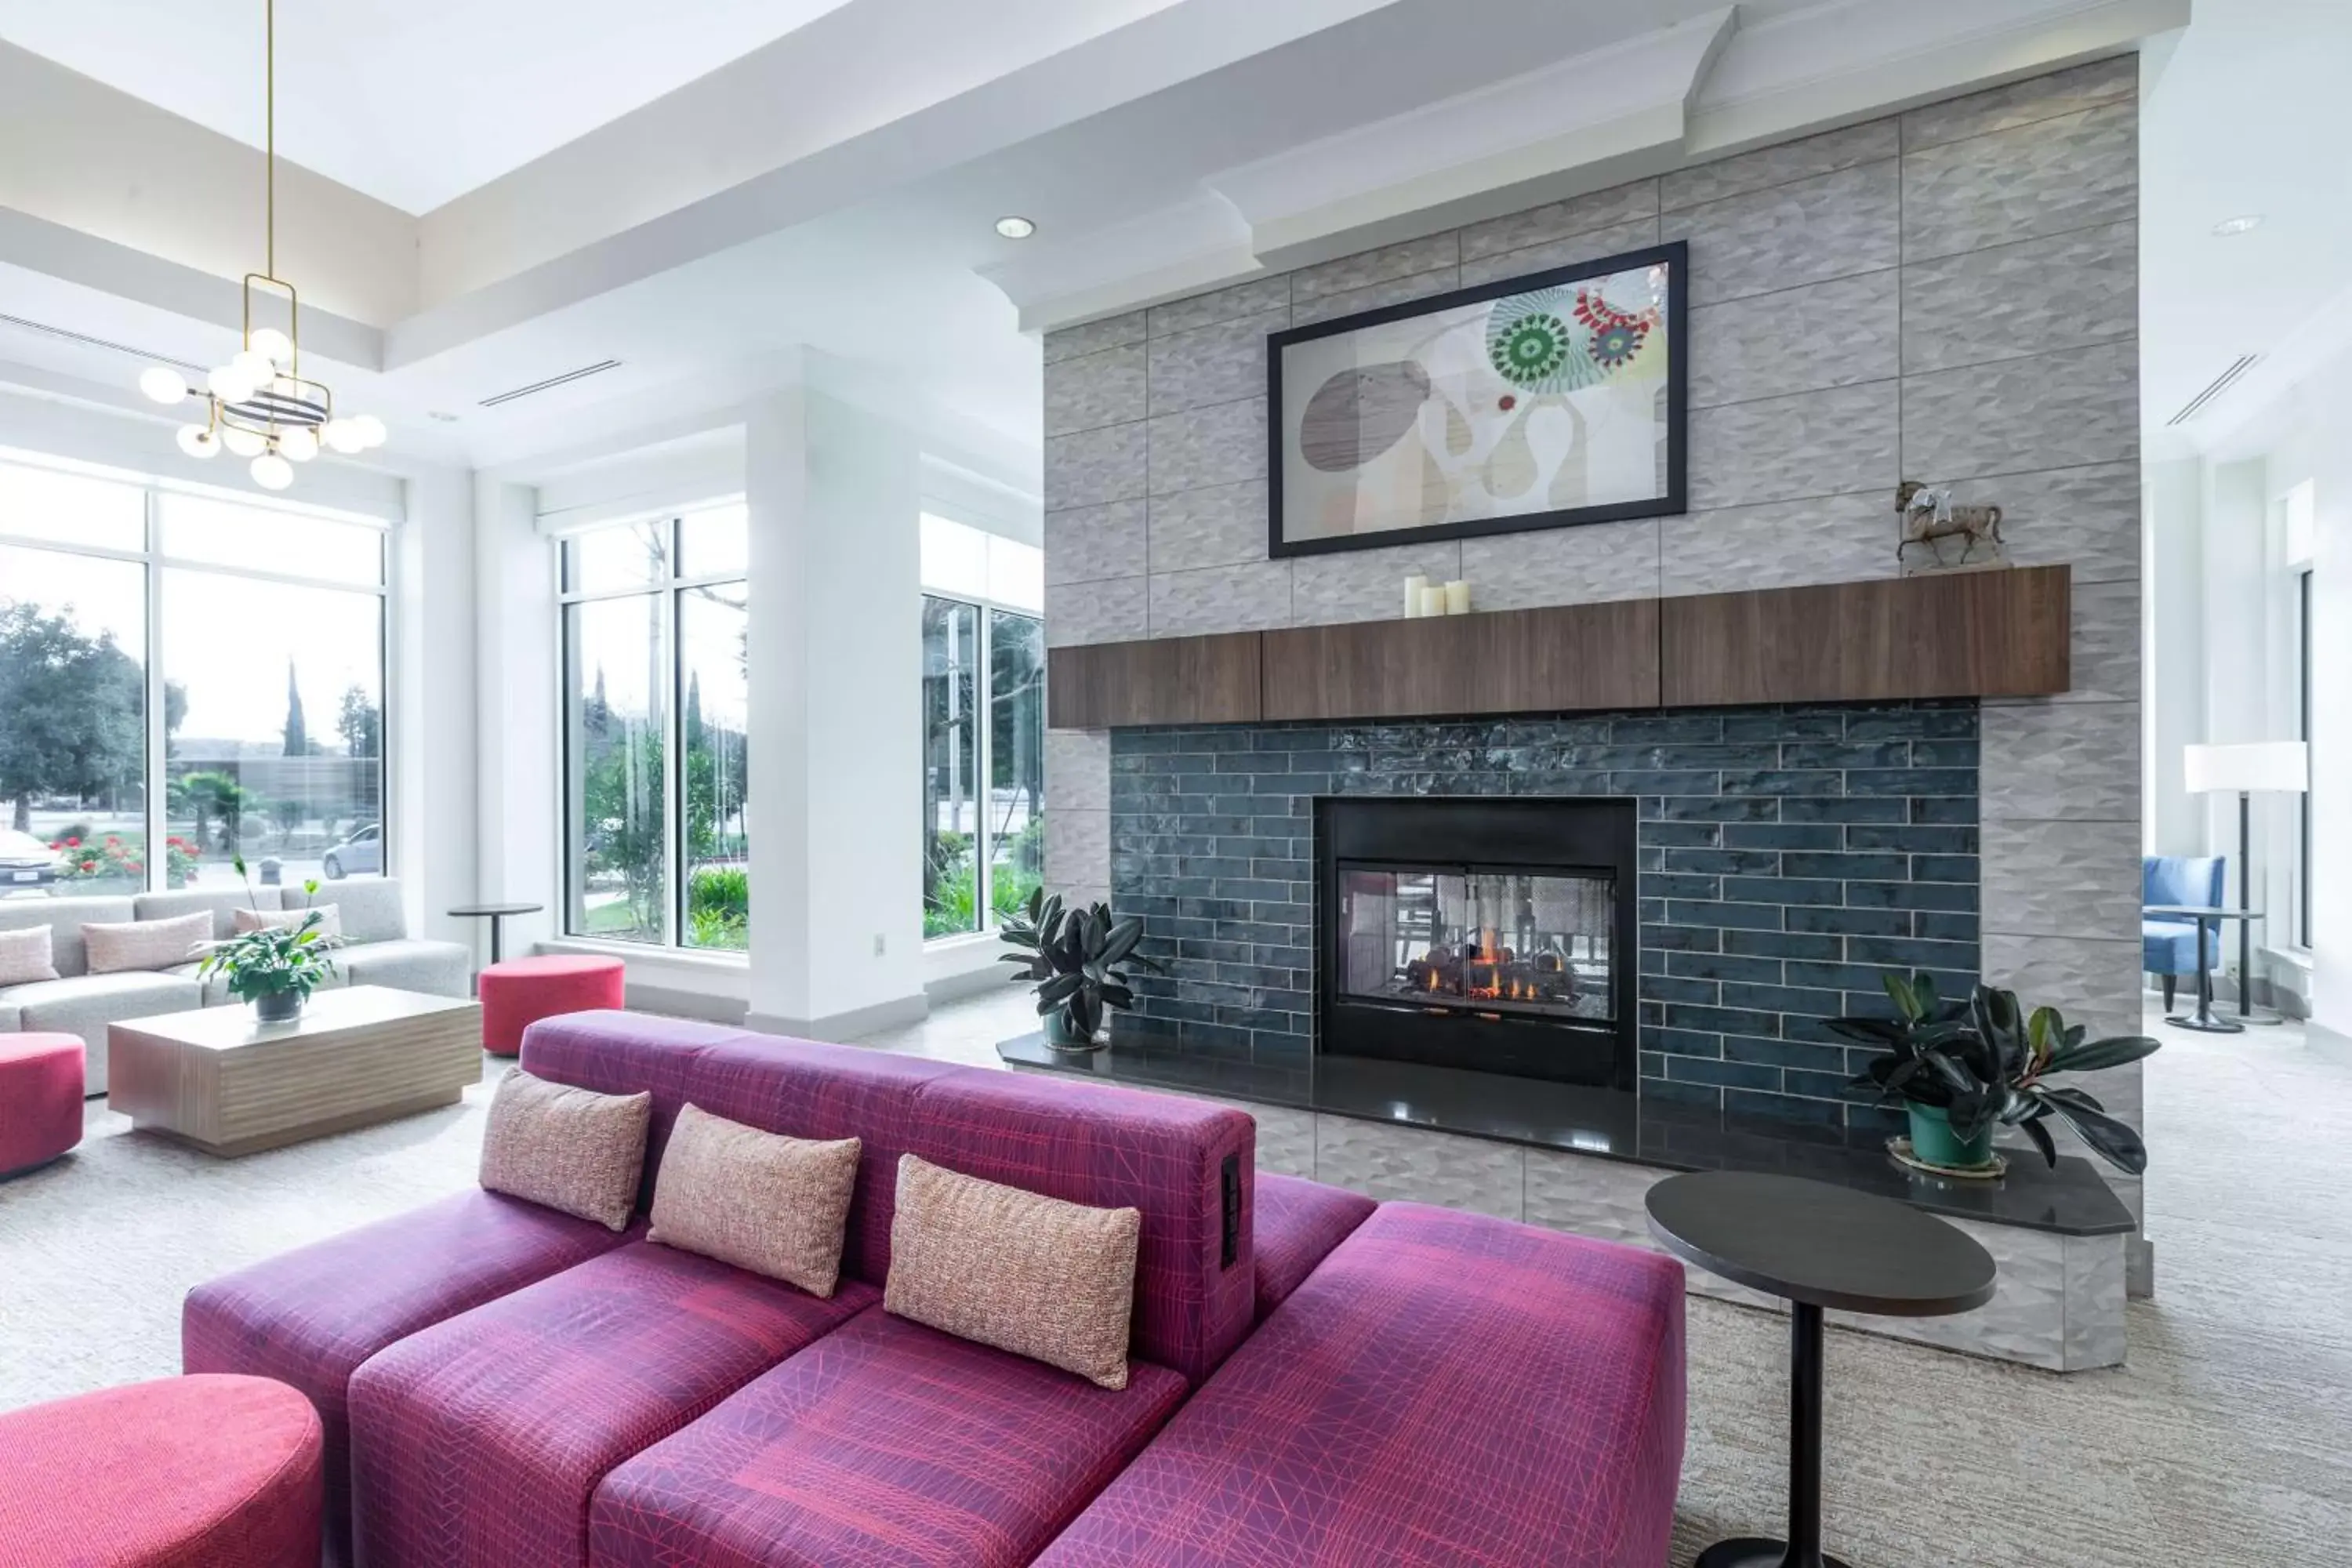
[
  {"x": 1787, "y": 858},
  {"x": 1947, "y": 294}
]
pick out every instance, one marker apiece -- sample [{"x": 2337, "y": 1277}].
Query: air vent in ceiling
[
  {"x": 2220, "y": 385},
  {"x": 569, "y": 376},
  {"x": 69, "y": 335}
]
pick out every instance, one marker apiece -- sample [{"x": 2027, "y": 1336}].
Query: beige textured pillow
[
  {"x": 329, "y": 922},
  {"x": 761, "y": 1201},
  {"x": 145, "y": 944},
  {"x": 1051, "y": 1280},
  {"x": 570, "y": 1149},
  {"x": 25, "y": 956}
]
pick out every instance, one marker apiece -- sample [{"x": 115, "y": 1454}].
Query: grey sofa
[{"x": 381, "y": 953}]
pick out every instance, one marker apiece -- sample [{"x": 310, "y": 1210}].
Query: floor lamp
[{"x": 2271, "y": 766}]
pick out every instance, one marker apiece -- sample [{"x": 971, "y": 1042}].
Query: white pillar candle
[
  {"x": 1433, "y": 600},
  {"x": 1457, "y": 597},
  {"x": 1413, "y": 591}
]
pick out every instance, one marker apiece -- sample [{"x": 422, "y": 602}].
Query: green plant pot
[
  {"x": 1061, "y": 1036},
  {"x": 1934, "y": 1141},
  {"x": 278, "y": 1007}
]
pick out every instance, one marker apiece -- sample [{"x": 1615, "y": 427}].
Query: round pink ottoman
[
  {"x": 519, "y": 992},
  {"x": 209, "y": 1471},
  {"x": 40, "y": 1099}
]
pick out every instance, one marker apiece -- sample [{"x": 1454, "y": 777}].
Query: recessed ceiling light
[
  {"x": 2239, "y": 225},
  {"x": 1015, "y": 227}
]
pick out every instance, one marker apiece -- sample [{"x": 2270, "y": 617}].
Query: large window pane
[
  {"x": 72, "y": 509},
  {"x": 951, "y": 768},
  {"x": 73, "y": 723},
  {"x": 715, "y": 543},
  {"x": 712, "y": 663},
  {"x": 1017, "y": 574},
  {"x": 616, "y": 662},
  {"x": 634, "y": 556},
  {"x": 1016, "y": 758},
  {"x": 273, "y": 729},
  {"x": 261, "y": 538}
]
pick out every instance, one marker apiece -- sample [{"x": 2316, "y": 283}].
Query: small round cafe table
[
  {"x": 494, "y": 913},
  {"x": 1815, "y": 1245}
]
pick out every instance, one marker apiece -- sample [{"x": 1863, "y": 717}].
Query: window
[
  {"x": 655, "y": 697},
  {"x": 984, "y": 726},
  {"x": 207, "y": 673}
]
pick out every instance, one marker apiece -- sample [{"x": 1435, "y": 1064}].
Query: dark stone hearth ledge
[{"x": 1609, "y": 1124}]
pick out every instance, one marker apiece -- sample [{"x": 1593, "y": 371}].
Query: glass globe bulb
[
  {"x": 198, "y": 442},
  {"x": 272, "y": 472},
  {"x": 370, "y": 429},
  {"x": 256, "y": 367},
  {"x": 164, "y": 384},
  {"x": 244, "y": 443},
  {"x": 298, "y": 445},
  {"x": 230, "y": 383},
  {"x": 343, "y": 436},
  {"x": 271, "y": 344}
]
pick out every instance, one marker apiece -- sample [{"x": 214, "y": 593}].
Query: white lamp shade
[{"x": 2283, "y": 766}]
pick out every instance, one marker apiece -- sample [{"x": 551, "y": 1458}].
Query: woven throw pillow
[
  {"x": 1051, "y": 1280},
  {"x": 568, "y": 1149},
  {"x": 25, "y": 956},
  {"x": 761, "y": 1201},
  {"x": 330, "y": 922},
  {"x": 145, "y": 944}
]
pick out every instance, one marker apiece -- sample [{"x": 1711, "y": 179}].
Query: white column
[
  {"x": 519, "y": 805},
  {"x": 431, "y": 702}
]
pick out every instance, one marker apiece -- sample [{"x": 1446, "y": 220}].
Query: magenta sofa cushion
[
  {"x": 885, "y": 1443},
  {"x": 1445, "y": 1389},
  {"x": 311, "y": 1317},
  {"x": 478, "y": 1442},
  {"x": 1299, "y": 1224},
  {"x": 1119, "y": 1148}
]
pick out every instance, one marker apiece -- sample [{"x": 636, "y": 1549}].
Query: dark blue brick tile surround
[{"x": 1788, "y": 859}]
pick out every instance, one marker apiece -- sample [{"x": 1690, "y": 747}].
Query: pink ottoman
[
  {"x": 40, "y": 1099},
  {"x": 519, "y": 992},
  {"x": 190, "y": 1473}
]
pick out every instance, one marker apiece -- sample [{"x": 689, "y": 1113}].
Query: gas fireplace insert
[{"x": 1496, "y": 935}]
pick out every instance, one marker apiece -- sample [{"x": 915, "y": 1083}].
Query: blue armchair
[{"x": 2168, "y": 948}]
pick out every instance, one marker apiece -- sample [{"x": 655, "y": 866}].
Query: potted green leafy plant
[
  {"x": 1075, "y": 958},
  {"x": 277, "y": 967},
  {"x": 1966, "y": 1069}
]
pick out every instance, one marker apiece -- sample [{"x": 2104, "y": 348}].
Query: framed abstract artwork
[{"x": 1539, "y": 401}]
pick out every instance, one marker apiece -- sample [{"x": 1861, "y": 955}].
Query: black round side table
[
  {"x": 1815, "y": 1245},
  {"x": 494, "y": 913}
]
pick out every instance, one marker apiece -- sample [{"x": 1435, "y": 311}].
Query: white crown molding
[{"x": 1666, "y": 98}]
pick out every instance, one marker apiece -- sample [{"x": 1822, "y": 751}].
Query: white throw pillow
[
  {"x": 329, "y": 924},
  {"x": 25, "y": 956},
  {"x": 145, "y": 944}
]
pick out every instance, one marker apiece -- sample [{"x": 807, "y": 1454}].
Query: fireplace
[{"x": 1496, "y": 935}]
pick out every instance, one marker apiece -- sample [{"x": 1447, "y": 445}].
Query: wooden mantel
[{"x": 2002, "y": 633}]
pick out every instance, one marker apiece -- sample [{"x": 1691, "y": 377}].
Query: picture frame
[{"x": 1366, "y": 422}]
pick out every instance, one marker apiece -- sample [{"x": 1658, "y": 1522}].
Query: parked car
[
  {"x": 24, "y": 862},
  {"x": 361, "y": 854}
]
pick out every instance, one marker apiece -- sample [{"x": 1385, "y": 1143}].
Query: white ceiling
[
  {"x": 412, "y": 101},
  {"x": 701, "y": 238},
  {"x": 2245, "y": 117}
]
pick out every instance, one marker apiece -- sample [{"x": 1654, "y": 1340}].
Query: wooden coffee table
[{"x": 219, "y": 1081}]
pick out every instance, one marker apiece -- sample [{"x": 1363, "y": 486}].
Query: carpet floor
[{"x": 2226, "y": 1441}]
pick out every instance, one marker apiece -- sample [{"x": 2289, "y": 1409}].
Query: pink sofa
[{"x": 1315, "y": 1379}]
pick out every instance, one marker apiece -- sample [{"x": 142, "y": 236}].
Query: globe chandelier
[{"x": 259, "y": 404}]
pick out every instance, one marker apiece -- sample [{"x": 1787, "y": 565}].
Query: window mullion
[{"x": 157, "y": 854}]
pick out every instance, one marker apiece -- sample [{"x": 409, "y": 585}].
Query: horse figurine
[{"x": 1930, "y": 518}]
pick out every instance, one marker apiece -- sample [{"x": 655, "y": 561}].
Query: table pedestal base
[
  {"x": 1755, "y": 1552},
  {"x": 2209, "y": 1024}
]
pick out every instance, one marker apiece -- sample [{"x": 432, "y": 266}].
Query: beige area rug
[{"x": 2226, "y": 1442}]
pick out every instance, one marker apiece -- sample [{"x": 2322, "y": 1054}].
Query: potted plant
[
  {"x": 1075, "y": 959},
  {"x": 277, "y": 967},
  {"x": 1966, "y": 1069}
]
